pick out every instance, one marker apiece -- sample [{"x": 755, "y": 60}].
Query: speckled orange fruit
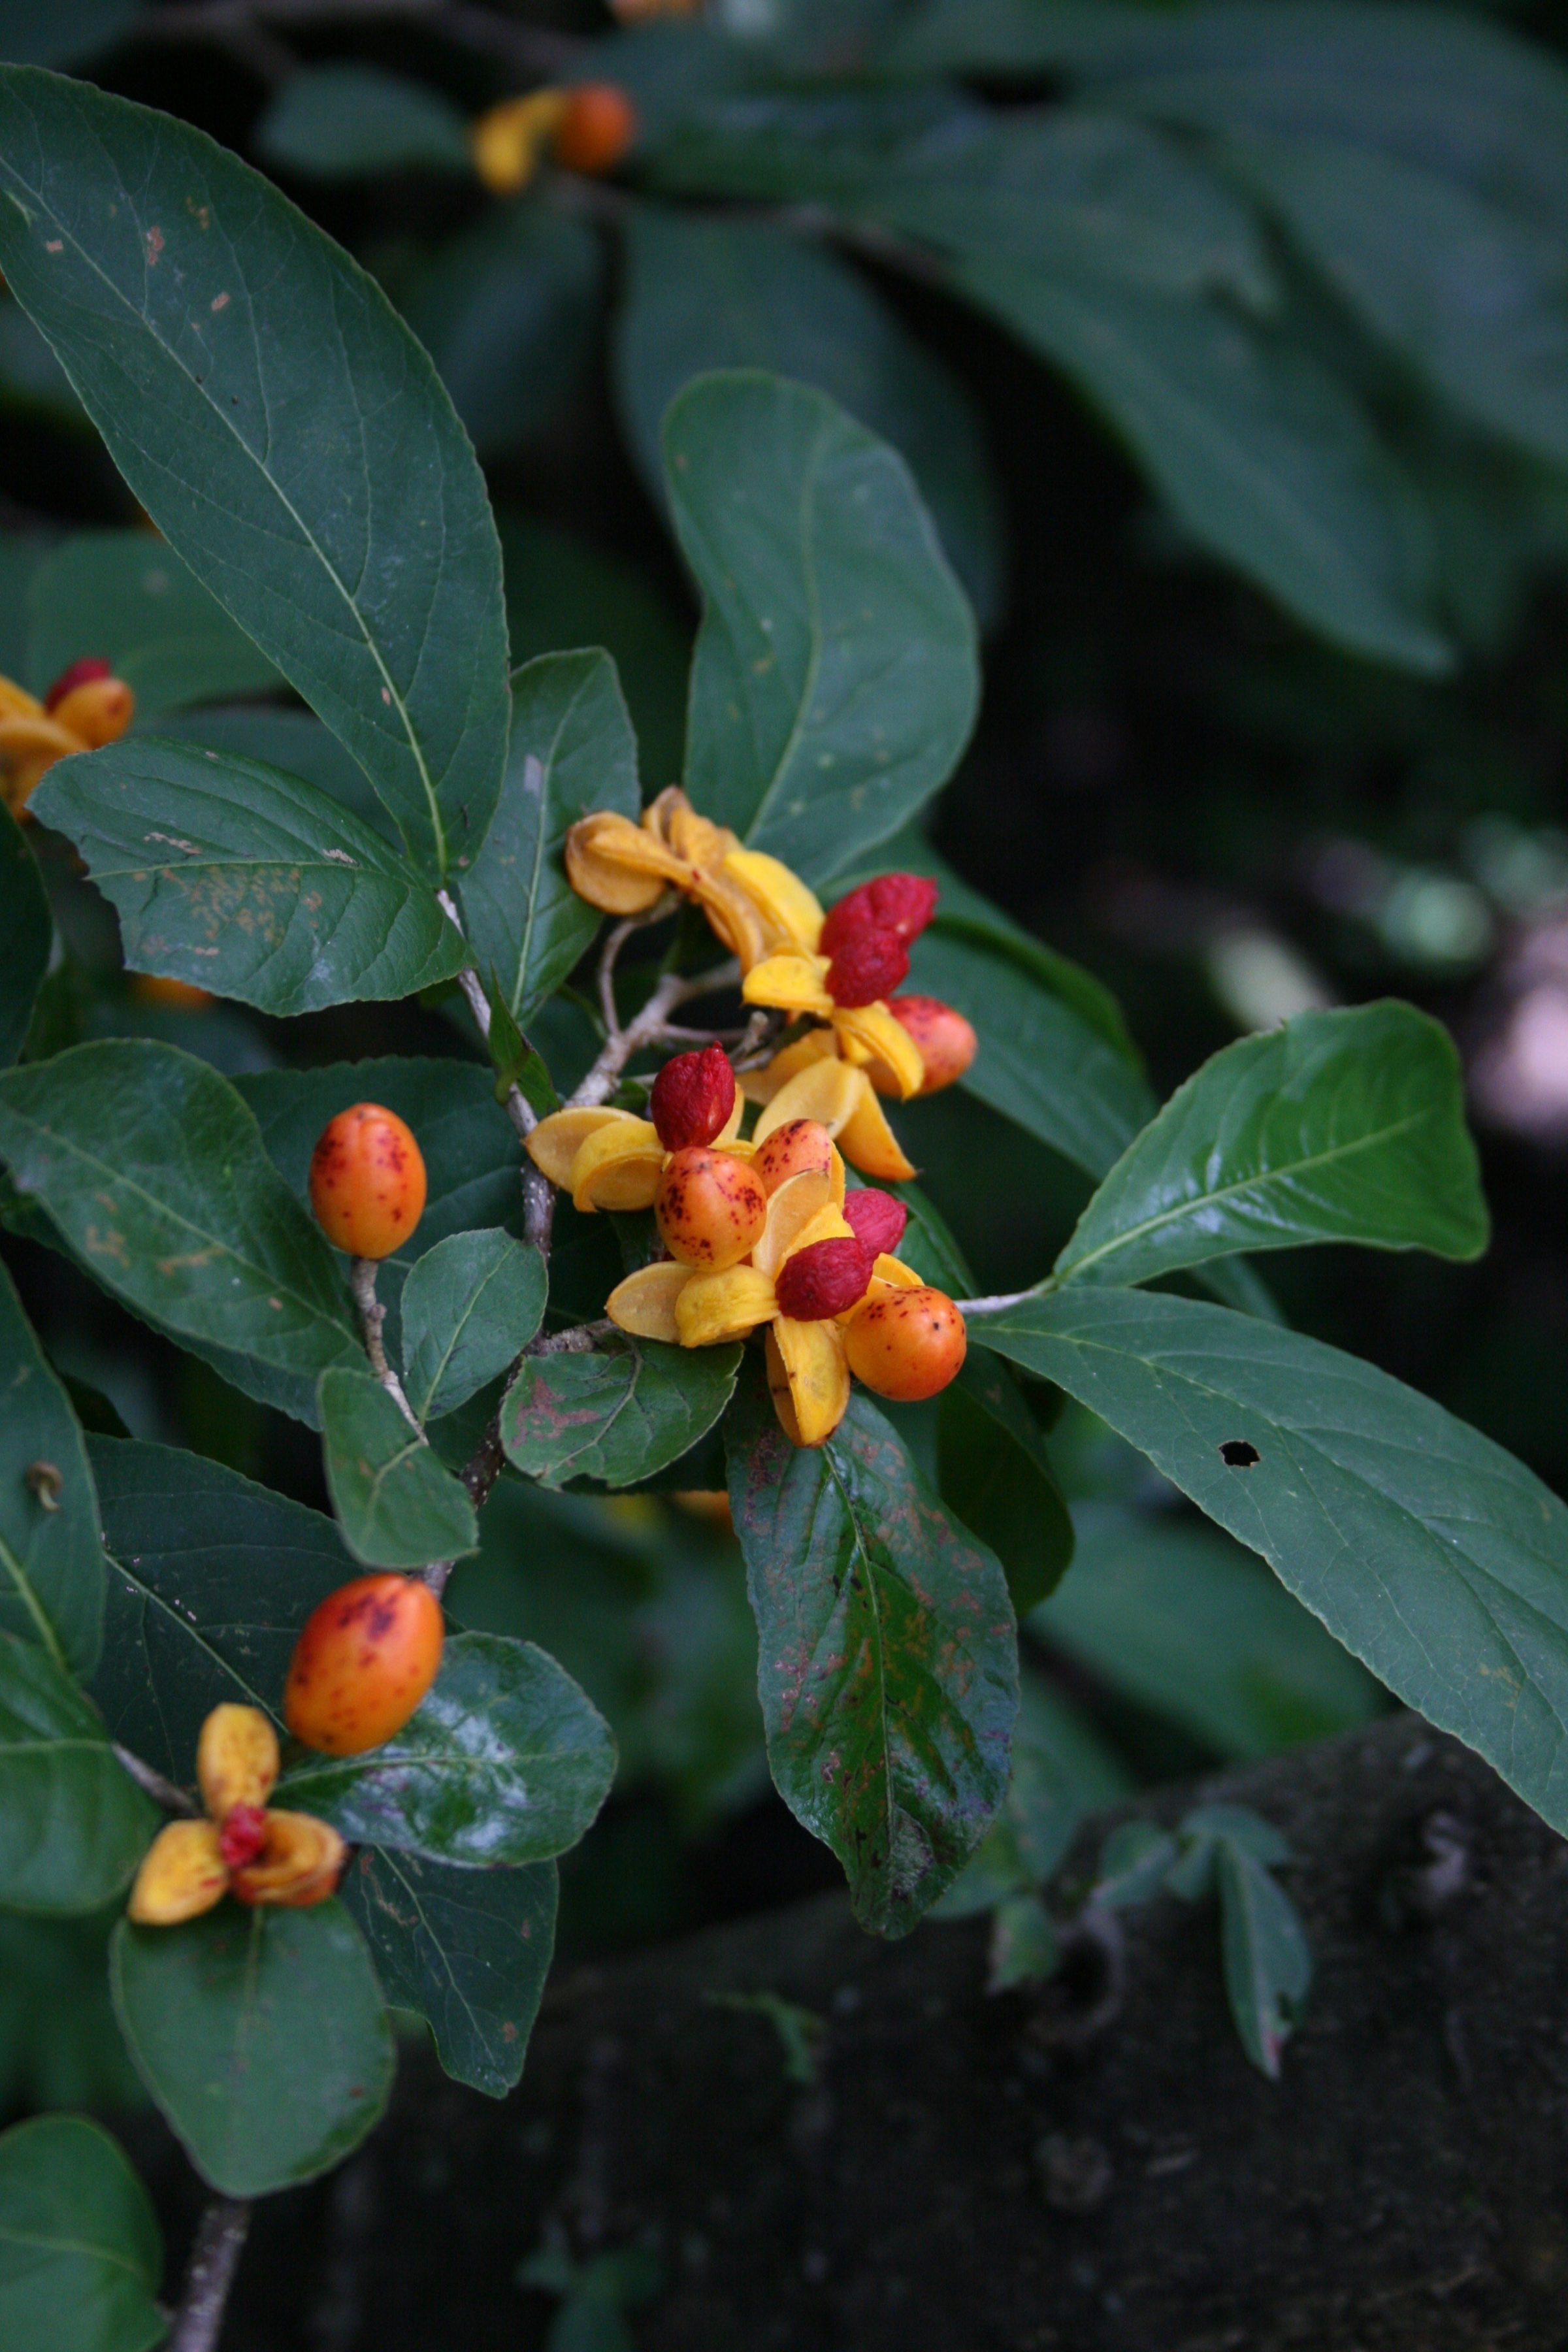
[
  {"x": 710, "y": 1208},
  {"x": 597, "y": 127},
  {"x": 367, "y": 1181},
  {"x": 364, "y": 1661},
  {"x": 907, "y": 1344},
  {"x": 800, "y": 1144},
  {"x": 946, "y": 1040},
  {"x": 178, "y": 995}
]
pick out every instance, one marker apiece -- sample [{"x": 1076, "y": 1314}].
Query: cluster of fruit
[
  {"x": 590, "y": 127},
  {"x": 86, "y": 708}
]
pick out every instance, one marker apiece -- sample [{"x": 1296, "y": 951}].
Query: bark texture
[{"x": 1094, "y": 2168}]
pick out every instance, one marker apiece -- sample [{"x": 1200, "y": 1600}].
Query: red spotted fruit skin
[
  {"x": 710, "y": 1208},
  {"x": 907, "y": 1344},
  {"x": 947, "y": 1043},
  {"x": 365, "y": 1659},
  {"x": 800, "y": 1146},
  {"x": 367, "y": 1181}
]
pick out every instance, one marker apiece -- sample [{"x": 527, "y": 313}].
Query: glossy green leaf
[
  {"x": 509, "y": 310},
  {"x": 82, "y": 2258},
  {"x": 995, "y": 1475},
  {"x": 282, "y": 428},
  {"x": 1182, "y": 1621},
  {"x": 1345, "y": 1125},
  {"x": 348, "y": 121},
  {"x": 505, "y": 1761},
  {"x": 396, "y": 1503},
  {"x": 73, "y": 1824},
  {"x": 51, "y": 1554},
  {"x": 889, "y": 1672},
  {"x": 211, "y": 1579},
  {"x": 835, "y": 684},
  {"x": 155, "y": 1172},
  {"x": 246, "y": 881},
  {"x": 25, "y": 938},
  {"x": 616, "y": 1417},
  {"x": 469, "y": 1305},
  {"x": 1428, "y": 1551},
  {"x": 467, "y": 1950},
  {"x": 262, "y": 2035},
  {"x": 290, "y": 739},
  {"x": 572, "y": 752},
  {"x": 1264, "y": 458},
  {"x": 1421, "y": 262},
  {"x": 1061, "y": 1770},
  {"x": 129, "y": 599},
  {"x": 1267, "y": 1963},
  {"x": 1040, "y": 1062},
  {"x": 706, "y": 291}
]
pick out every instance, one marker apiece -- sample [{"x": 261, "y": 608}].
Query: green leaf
[
  {"x": 82, "y": 2260},
  {"x": 1336, "y": 1127},
  {"x": 888, "y": 1671},
  {"x": 396, "y": 1503},
  {"x": 25, "y": 938},
  {"x": 1238, "y": 1825},
  {"x": 706, "y": 293},
  {"x": 1041, "y": 1063},
  {"x": 1420, "y": 262},
  {"x": 128, "y": 598},
  {"x": 35, "y": 36},
  {"x": 347, "y": 122},
  {"x": 1430, "y": 1553},
  {"x": 1185, "y": 1623},
  {"x": 246, "y": 881},
  {"x": 996, "y": 1476},
  {"x": 614, "y": 1417},
  {"x": 153, "y": 1170},
  {"x": 73, "y": 1824},
  {"x": 467, "y": 1950},
  {"x": 290, "y": 739},
  {"x": 505, "y": 1761},
  {"x": 51, "y": 1553},
  {"x": 1135, "y": 1863},
  {"x": 282, "y": 428},
  {"x": 211, "y": 1580},
  {"x": 1023, "y": 1945},
  {"x": 469, "y": 1305},
  {"x": 572, "y": 752},
  {"x": 261, "y": 2034},
  {"x": 1061, "y": 1770},
  {"x": 834, "y": 681},
  {"x": 1263, "y": 458},
  {"x": 1267, "y": 1963},
  {"x": 509, "y": 310}
]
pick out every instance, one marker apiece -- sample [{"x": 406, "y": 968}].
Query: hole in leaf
[{"x": 1237, "y": 1453}]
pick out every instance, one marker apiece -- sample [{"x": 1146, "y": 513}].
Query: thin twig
[
  {"x": 371, "y": 1316},
  {"x": 163, "y": 1792},
  {"x": 215, "y": 2258},
  {"x": 538, "y": 1195},
  {"x": 578, "y": 1341},
  {"x": 646, "y": 1028},
  {"x": 993, "y": 1305}
]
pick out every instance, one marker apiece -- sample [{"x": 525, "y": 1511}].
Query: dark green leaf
[
  {"x": 211, "y": 1579},
  {"x": 26, "y": 936},
  {"x": 345, "y": 122},
  {"x": 469, "y": 1305},
  {"x": 1060, "y": 1772},
  {"x": 996, "y": 1476},
  {"x": 1023, "y": 1947},
  {"x": 396, "y": 1503},
  {"x": 282, "y": 427},
  {"x": 262, "y": 2036},
  {"x": 833, "y": 685},
  {"x": 128, "y": 598},
  {"x": 51, "y": 1555},
  {"x": 1264, "y": 458},
  {"x": 705, "y": 293},
  {"x": 505, "y": 1761},
  {"x": 888, "y": 1669},
  {"x": 1185, "y": 1622},
  {"x": 1041, "y": 1063},
  {"x": 1134, "y": 1864},
  {"x": 617, "y": 1418},
  {"x": 44, "y": 36},
  {"x": 467, "y": 1950},
  {"x": 246, "y": 881},
  {"x": 1267, "y": 1965},
  {"x": 509, "y": 312},
  {"x": 1238, "y": 1826},
  {"x": 1431, "y": 1553},
  {"x": 573, "y": 751},
  {"x": 153, "y": 1170},
  {"x": 294, "y": 741},
  {"x": 73, "y": 1824},
  {"x": 1346, "y": 1125},
  {"x": 80, "y": 2257}
]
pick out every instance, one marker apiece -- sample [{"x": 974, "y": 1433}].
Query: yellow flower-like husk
[
  {"x": 236, "y": 1760},
  {"x": 790, "y": 915},
  {"x": 713, "y": 1308},
  {"x": 182, "y": 1874},
  {"x": 808, "y": 1377},
  {"x": 754, "y": 904},
  {"x": 509, "y": 140},
  {"x": 644, "y": 1304},
  {"x": 32, "y": 738},
  {"x": 796, "y": 985},
  {"x": 299, "y": 1864},
  {"x": 611, "y": 1158},
  {"x": 839, "y": 1097}
]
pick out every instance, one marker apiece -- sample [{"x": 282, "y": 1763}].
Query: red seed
[
  {"x": 879, "y": 1220},
  {"x": 692, "y": 1098},
  {"x": 80, "y": 673},
  {"x": 866, "y": 966},
  {"x": 825, "y": 1278},
  {"x": 243, "y": 1835},
  {"x": 904, "y": 903}
]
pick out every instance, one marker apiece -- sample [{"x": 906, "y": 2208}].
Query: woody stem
[
  {"x": 371, "y": 1316},
  {"x": 220, "y": 2240},
  {"x": 647, "y": 1027}
]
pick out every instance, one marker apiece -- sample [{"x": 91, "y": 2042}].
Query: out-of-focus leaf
[
  {"x": 32, "y": 35},
  {"x": 348, "y": 121},
  {"x": 1135, "y": 1866},
  {"x": 51, "y": 1553},
  {"x": 26, "y": 936},
  {"x": 1268, "y": 1964},
  {"x": 82, "y": 2260},
  {"x": 73, "y": 1824},
  {"x": 613, "y": 1417},
  {"x": 1061, "y": 1770},
  {"x": 1023, "y": 1945},
  {"x": 396, "y": 1503},
  {"x": 469, "y": 1305},
  {"x": 996, "y": 1476},
  {"x": 126, "y": 597}
]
